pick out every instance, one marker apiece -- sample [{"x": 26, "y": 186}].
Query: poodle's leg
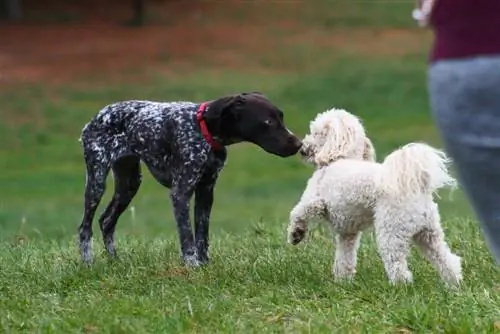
[
  {"x": 346, "y": 255},
  {"x": 393, "y": 247},
  {"x": 299, "y": 217},
  {"x": 432, "y": 244}
]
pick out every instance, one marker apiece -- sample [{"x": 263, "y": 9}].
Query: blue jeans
[{"x": 465, "y": 101}]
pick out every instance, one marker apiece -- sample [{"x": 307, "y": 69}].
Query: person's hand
[{"x": 422, "y": 12}]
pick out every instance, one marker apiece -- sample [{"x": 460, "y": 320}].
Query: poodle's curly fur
[{"x": 354, "y": 192}]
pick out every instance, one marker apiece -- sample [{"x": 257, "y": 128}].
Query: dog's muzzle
[{"x": 304, "y": 151}]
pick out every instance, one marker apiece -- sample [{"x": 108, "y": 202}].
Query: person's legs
[{"x": 465, "y": 100}]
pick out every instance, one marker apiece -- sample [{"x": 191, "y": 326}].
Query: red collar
[{"x": 204, "y": 129}]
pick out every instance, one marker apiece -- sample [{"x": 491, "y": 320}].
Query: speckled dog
[{"x": 183, "y": 146}]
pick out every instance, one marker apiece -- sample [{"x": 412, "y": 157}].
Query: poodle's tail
[{"x": 413, "y": 170}]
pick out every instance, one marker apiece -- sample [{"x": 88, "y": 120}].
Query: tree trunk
[
  {"x": 138, "y": 18},
  {"x": 13, "y": 9}
]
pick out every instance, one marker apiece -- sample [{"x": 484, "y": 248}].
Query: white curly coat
[{"x": 354, "y": 192}]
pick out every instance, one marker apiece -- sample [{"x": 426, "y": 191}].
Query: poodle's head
[{"x": 336, "y": 134}]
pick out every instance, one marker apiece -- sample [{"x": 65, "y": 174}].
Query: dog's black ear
[
  {"x": 223, "y": 113},
  {"x": 256, "y": 93}
]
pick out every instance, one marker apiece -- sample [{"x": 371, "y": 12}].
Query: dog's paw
[
  {"x": 406, "y": 278},
  {"x": 191, "y": 261},
  {"x": 343, "y": 273},
  {"x": 344, "y": 277},
  {"x": 203, "y": 260},
  {"x": 296, "y": 235},
  {"x": 452, "y": 273},
  {"x": 86, "y": 253}
]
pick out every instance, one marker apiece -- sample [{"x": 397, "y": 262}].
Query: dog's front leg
[
  {"x": 298, "y": 226},
  {"x": 304, "y": 211},
  {"x": 204, "y": 198},
  {"x": 180, "y": 201}
]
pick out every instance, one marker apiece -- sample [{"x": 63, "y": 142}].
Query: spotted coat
[
  {"x": 166, "y": 137},
  {"x": 174, "y": 145}
]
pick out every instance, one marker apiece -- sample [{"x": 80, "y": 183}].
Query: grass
[{"x": 255, "y": 282}]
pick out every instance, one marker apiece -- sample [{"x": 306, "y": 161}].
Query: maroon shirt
[{"x": 465, "y": 28}]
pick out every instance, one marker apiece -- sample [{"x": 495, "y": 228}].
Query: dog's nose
[
  {"x": 303, "y": 151},
  {"x": 295, "y": 142}
]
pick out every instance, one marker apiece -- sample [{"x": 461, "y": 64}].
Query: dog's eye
[{"x": 268, "y": 122}]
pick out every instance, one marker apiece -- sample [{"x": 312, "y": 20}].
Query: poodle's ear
[
  {"x": 327, "y": 152},
  {"x": 369, "y": 152},
  {"x": 344, "y": 141},
  {"x": 340, "y": 141}
]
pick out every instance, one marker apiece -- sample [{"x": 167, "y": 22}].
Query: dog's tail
[{"x": 415, "y": 169}]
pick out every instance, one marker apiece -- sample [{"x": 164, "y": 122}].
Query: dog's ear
[
  {"x": 329, "y": 152},
  {"x": 258, "y": 93},
  {"x": 223, "y": 113},
  {"x": 340, "y": 143},
  {"x": 369, "y": 152},
  {"x": 252, "y": 93}
]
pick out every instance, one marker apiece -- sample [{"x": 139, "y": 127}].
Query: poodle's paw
[
  {"x": 344, "y": 276},
  {"x": 344, "y": 279},
  {"x": 296, "y": 235},
  {"x": 407, "y": 278},
  {"x": 452, "y": 272},
  {"x": 343, "y": 273}
]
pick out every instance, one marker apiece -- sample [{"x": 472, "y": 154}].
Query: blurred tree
[
  {"x": 138, "y": 16},
  {"x": 11, "y": 9}
]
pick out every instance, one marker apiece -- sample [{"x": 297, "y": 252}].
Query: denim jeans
[{"x": 465, "y": 102}]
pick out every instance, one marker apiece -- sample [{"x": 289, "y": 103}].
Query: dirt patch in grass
[
  {"x": 183, "y": 38},
  {"x": 367, "y": 42}
]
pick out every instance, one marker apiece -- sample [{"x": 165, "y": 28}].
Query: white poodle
[{"x": 354, "y": 192}]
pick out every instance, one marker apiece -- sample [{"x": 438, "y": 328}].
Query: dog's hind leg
[
  {"x": 393, "y": 247},
  {"x": 437, "y": 252},
  {"x": 346, "y": 255},
  {"x": 127, "y": 176},
  {"x": 95, "y": 185}
]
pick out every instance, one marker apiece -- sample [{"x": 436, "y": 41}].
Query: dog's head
[
  {"x": 336, "y": 134},
  {"x": 253, "y": 118}
]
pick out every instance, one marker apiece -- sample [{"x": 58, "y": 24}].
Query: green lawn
[{"x": 256, "y": 282}]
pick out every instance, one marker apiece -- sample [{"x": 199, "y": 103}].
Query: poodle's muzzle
[{"x": 306, "y": 151}]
